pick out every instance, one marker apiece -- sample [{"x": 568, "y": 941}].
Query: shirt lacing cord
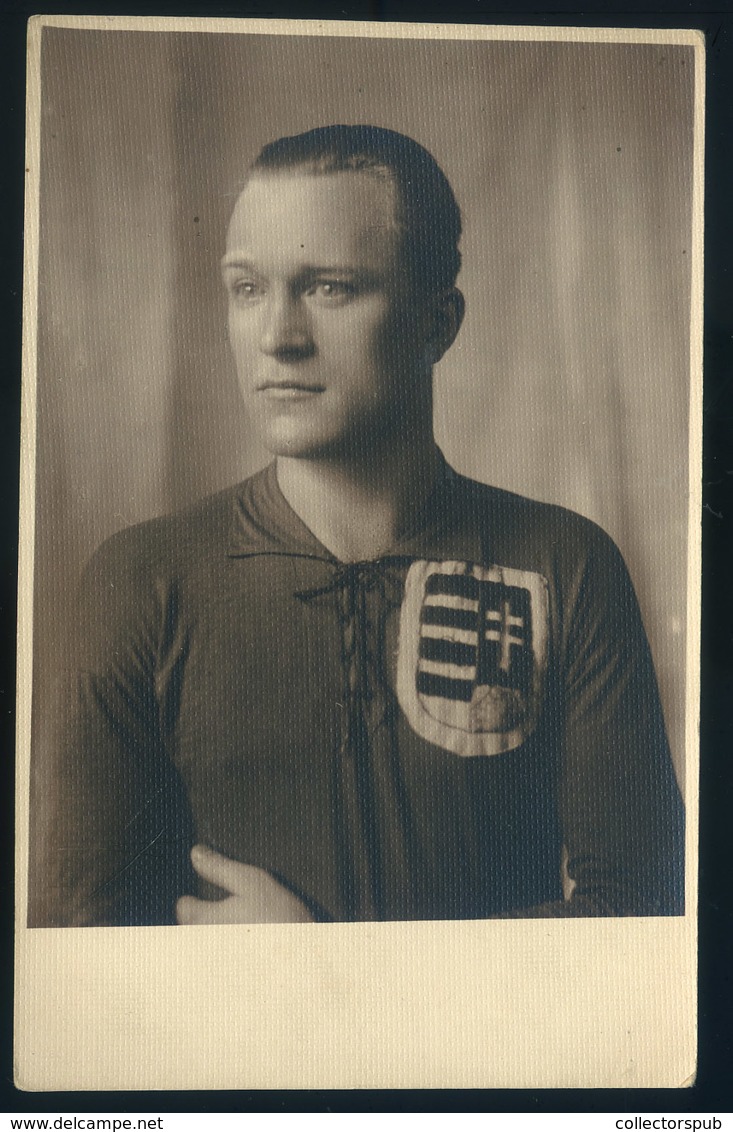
[{"x": 361, "y": 641}]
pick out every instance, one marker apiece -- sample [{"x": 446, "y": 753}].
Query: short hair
[{"x": 427, "y": 215}]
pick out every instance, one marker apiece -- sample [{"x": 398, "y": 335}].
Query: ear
[{"x": 445, "y": 322}]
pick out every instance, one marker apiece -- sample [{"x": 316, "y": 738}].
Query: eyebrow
[{"x": 233, "y": 261}]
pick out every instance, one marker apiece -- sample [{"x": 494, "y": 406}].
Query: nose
[{"x": 285, "y": 332}]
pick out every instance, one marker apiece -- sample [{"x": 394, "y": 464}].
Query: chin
[
  {"x": 348, "y": 441},
  {"x": 299, "y": 446}
]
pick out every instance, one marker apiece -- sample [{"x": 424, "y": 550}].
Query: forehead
[{"x": 328, "y": 219}]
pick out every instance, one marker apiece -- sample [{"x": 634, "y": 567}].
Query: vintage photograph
[
  {"x": 334, "y": 621},
  {"x": 361, "y": 391}
]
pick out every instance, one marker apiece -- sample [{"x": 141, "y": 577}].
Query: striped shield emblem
[{"x": 473, "y": 653}]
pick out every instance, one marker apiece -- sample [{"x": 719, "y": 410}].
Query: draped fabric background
[{"x": 569, "y": 381}]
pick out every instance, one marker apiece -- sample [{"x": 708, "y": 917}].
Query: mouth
[{"x": 290, "y": 390}]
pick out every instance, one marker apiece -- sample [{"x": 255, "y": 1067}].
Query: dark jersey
[{"x": 425, "y": 735}]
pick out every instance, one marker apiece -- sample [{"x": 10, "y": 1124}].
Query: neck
[{"x": 359, "y": 509}]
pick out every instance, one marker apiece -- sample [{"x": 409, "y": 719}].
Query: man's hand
[{"x": 256, "y": 897}]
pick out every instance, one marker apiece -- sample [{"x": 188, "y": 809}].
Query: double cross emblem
[
  {"x": 473, "y": 655},
  {"x": 473, "y": 634}
]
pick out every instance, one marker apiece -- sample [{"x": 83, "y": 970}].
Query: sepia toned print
[{"x": 350, "y": 574}]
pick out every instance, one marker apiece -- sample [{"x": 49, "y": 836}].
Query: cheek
[
  {"x": 350, "y": 346},
  {"x": 384, "y": 334},
  {"x": 399, "y": 343},
  {"x": 242, "y": 334}
]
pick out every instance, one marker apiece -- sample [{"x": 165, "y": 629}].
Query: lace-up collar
[{"x": 263, "y": 522}]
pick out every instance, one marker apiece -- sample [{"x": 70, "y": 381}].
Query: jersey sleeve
[
  {"x": 620, "y": 808},
  {"x": 116, "y": 836}
]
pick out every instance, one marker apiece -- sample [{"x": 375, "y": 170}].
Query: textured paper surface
[{"x": 525, "y": 1004}]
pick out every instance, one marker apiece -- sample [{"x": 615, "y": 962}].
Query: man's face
[{"x": 328, "y": 335}]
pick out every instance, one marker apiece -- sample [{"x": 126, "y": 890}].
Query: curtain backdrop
[{"x": 570, "y": 379}]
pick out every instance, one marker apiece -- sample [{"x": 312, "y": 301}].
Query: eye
[
  {"x": 332, "y": 292},
  {"x": 245, "y": 290}
]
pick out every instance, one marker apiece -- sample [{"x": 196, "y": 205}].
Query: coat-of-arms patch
[{"x": 472, "y": 655}]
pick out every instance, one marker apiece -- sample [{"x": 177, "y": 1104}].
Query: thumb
[{"x": 222, "y": 871}]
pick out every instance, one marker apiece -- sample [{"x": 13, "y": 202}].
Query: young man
[{"x": 359, "y": 685}]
